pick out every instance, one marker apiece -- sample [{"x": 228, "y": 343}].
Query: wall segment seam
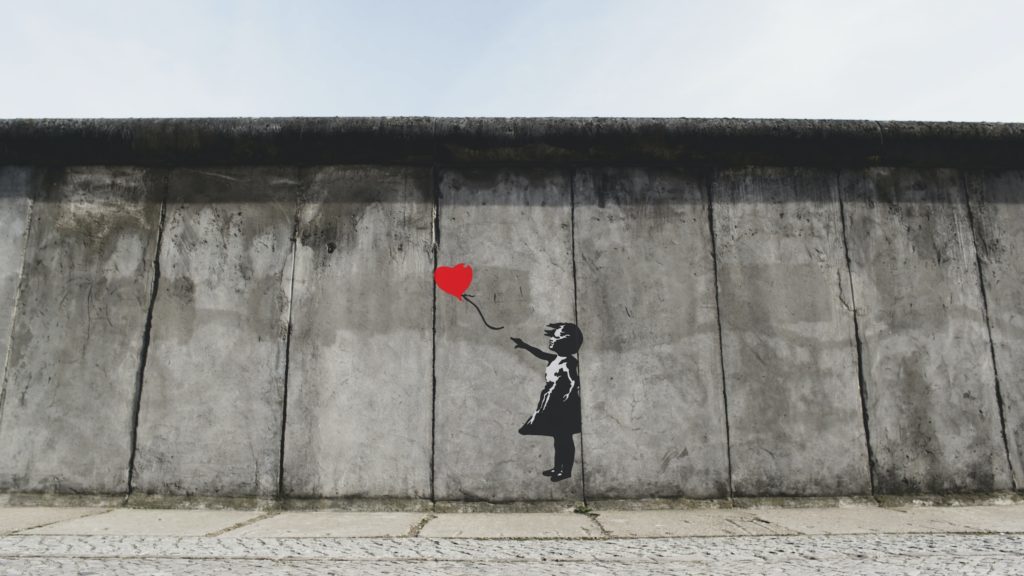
[
  {"x": 988, "y": 327},
  {"x": 856, "y": 334},
  {"x": 435, "y": 182},
  {"x": 288, "y": 344},
  {"x": 709, "y": 189},
  {"x": 576, "y": 318},
  {"x": 146, "y": 334}
]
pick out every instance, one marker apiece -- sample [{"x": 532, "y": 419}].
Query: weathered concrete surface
[
  {"x": 360, "y": 383},
  {"x": 530, "y": 525},
  {"x": 331, "y": 525},
  {"x": 930, "y": 386},
  {"x": 151, "y": 523},
  {"x": 513, "y": 228},
  {"x": 788, "y": 335},
  {"x": 997, "y": 204},
  {"x": 865, "y": 520},
  {"x": 16, "y": 519},
  {"x": 487, "y": 141},
  {"x": 681, "y": 523},
  {"x": 1003, "y": 519},
  {"x": 78, "y": 333},
  {"x": 653, "y": 409},
  {"x": 213, "y": 394},
  {"x": 16, "y": 190}
]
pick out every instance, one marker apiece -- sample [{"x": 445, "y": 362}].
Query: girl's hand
[{"x": 519, "y": 343}]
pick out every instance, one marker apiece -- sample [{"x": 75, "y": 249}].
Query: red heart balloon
[{"x": 454, "y": 280}]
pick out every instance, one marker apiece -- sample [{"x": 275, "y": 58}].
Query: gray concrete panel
[
  {"x": 78, "y": 333},
  {"x": 213, "y": 393},
  {"x": 653, "y": 408},
  {"x": 997, "y": 203},
  {"x": 932, "y": 412},
  {"x": 17, "y": 186},
  {"x": 360, "y": 381},
  {"x": 513, "y": 228},
  {"x": 788, "y": 335}
]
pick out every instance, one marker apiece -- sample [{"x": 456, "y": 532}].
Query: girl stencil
[{"x": 558, "y": 411}]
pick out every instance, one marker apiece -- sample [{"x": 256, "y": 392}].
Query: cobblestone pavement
[{"x": 925, "y": 554}]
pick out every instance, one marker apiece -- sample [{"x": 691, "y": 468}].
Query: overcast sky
[{"x": 882, "y": 60}]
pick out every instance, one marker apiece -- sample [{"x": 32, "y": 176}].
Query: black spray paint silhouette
[{"x": 558, "y": 410}]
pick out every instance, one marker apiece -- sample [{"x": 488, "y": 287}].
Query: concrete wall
[
  {"x": 646, "y": 298},
  {"x": 788, "y": 341},
  {"x": 214, "y": 382},
  {"x": 788, "y": 309},
  {"x": 515, "y": 228},
  {"x": 360, "y": 378},
  {"x": 72, "y": 373},
  {"x": 928, "y": 372}
]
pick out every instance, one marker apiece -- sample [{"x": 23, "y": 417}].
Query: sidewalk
[
  {"x": 606, "y": 524},
  {"x": 848, "y": 540}
]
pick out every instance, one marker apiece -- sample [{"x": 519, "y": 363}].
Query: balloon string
[{"x": 466, "y": 297}]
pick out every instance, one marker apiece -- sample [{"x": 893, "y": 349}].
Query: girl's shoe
[
  {"x": 560, "y": 475},
  {"x": 550, "y": 472}
]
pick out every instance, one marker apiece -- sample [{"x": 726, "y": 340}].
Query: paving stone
[
  {"x": 330, "y": 524},
  {"x": 861, "y": 520},
  {"x": 938, "y": 565},
  {"x": 150, "y": 523},
  {"x": 18, "y": 518},
  {"x": 973, "y": 518},
  {"x": 528, "y": 525},
  {"x": 675, "y": 523}
]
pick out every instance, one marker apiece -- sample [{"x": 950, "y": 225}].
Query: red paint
[{"x": 454, "y": 280}]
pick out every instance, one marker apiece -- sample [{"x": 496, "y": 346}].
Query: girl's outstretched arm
[{"x": 535, "y": 351}]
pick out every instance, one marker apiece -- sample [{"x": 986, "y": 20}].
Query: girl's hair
[{"x": 572, "y": 343}]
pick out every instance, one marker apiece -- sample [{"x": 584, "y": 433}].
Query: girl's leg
[
  {"x": 554, "y": 469},
  {"x": 565, "y": 453}
]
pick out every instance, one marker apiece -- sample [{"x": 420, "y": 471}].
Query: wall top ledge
[{"x": 692, "y": 142}]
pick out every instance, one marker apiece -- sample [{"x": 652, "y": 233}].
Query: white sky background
[{"x": 871, "y": 59}]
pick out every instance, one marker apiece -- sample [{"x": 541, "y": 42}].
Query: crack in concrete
[
  {"x": 238, "y": 525},
  {"x": 416, "y": 528},
  {"x": 988, "y": 327},
  {"x": 708, "y": 187},
  {"x": 146, "y": 334},
  {"x": 435, "y": 178},
  {"x": 861, "y": 382},
  {"x": 287, "y": 346}
]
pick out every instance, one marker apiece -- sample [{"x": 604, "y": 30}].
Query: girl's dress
[{"x": 555, "y": 415}]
